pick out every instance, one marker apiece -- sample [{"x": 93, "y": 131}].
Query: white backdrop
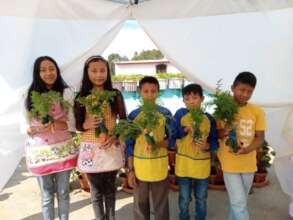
[{"x": 207, "y": 41}]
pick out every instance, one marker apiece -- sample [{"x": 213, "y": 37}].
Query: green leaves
[
  {"x": 197, "y": 117},
  {"x": 96, "y": 101},
  {"x": 42, "y": 102},
  {"x": 226, "y": 107},
  {"x": 127, "y": 129}
]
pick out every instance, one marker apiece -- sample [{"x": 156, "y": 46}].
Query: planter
[
  {"x": 260, "y": 179},
  {"x": 83, "y": 181},
  {"x": 125, "y": 187},
  {"x": 172, "y": 182}
]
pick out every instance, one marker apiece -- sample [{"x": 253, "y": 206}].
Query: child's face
[
  {"x": 193, "y": 100},
  {"x": 97, "y": 72},
  {"x": 242, "y": 93},
  {"x": 149, "y": 91},
  {"x": 48, "y": 72}
]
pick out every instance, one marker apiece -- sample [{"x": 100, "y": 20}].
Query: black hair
[
  {"x": 39, "y": 85},
  {"x": 87, "y": 86},
  {"x": 192, "y": 88},
  {"x": 149, "y": 79},
  {"x": 245, "y": 78}
]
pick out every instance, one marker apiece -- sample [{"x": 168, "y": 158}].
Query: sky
[{"x": 134, "y": 37}]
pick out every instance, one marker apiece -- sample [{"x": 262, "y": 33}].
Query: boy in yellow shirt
[
  {"x": 239, "y": 167},
  {"x": 148, "y": 169},
  {"x": 193, "y": 158}
]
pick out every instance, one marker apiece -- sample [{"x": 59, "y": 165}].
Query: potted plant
[
  {"x": 216, "y": 179},
  {"x": 265, "y": 157}
]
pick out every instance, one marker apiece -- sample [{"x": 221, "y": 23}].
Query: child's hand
[
  {"x": 108, "y": 143},
  {"x": 188, "y": 130},
  {"x": 162, "y": 144},
  {"x": 91, "y": 122},
  {"x": 131, "y": 178},
  {"x": 202, "y": 144}
]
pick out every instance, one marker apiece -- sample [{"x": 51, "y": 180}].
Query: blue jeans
[
  {"x": 238, "y": 186},
  {"x": 200, "y": 190},
  {"x": 49, "y": 184}
]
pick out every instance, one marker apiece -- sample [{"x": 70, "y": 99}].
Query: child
[
  {"x": 50, "y": 152},
  {"x": 99, "y": 157},
  {"x": 239, "y": 167},
  {"x": 193, "y": 158},
  {"x": 148, "y": 169}
]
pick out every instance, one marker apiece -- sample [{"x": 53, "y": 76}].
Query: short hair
[
  {"x": 245, "y": 78},
  {"x": 192, "y": 88},
  {"x": 149, "y": 79}
]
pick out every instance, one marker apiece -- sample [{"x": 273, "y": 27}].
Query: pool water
[{"x": 169, "y": 98}]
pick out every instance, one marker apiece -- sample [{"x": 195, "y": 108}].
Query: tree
[
  {"x": 148, "y": 55},
  {"x": 115, "y": 57}
]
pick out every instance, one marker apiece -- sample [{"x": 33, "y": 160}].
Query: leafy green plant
[
  {"x": 266, "y": 156},
  {"x": 42, "y": 102},
  {"x": 95, "y": 104},
  {"x": 144, "y": 125},
  {"x": 197, "y": 117},
  {"x": 226, "y": 108}
]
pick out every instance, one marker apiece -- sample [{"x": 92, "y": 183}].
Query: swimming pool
[{"x": 169, "y": 98}]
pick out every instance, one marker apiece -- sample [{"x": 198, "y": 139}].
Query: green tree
[
  {"x": 148, "y": 55},
  {"x": 114, "y": 57}
]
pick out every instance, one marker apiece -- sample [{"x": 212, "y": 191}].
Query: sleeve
[
  {"x": 69, "y": 96},
  {"x": 213, "y": 137},
  {"x": 130, "y": 143},
  {"x": 260, "y": 124},
  {"x": 121, "y": 109},
  {"x": 79, "y": 113},
  {"x": 180, "y": 133}
]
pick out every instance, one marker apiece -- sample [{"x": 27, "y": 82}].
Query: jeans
[
  {"x": 49, "y": 184},
  {"x": 200, "y": 190},
  {"x": 238, "y": 186}
]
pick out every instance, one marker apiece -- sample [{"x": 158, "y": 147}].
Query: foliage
[
  {"x": 114, "y": 57},
  {"x": 266, "y": 158},
  {"x": 42, "y": 103},
  {"x": 197, "y": 117},
  {"x": 137, "y": 77},
  {"x": 226, "y": 107},
  {"x": 144, "y": 125},
  {"x": 148, "y": 55},
  {"x": 95, "y": 104}
]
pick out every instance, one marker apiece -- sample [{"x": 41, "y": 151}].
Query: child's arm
[
  {"x": 256, "y": 143},
  {"x": 212, "y": 139},
  {"x": 170, "y": 130},
  {"x": 180, "y": 130}
]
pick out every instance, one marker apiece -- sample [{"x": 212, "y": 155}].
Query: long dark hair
[
  {"x": 87, "y": 86},
  {"x": 39, "y": 85}
]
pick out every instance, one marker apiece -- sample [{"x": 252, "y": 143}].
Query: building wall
[{"x": 141, "y": 68}]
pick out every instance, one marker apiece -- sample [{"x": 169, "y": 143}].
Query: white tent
[{"x": 207, "y": 40}]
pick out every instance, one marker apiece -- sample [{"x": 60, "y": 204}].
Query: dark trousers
[
  {"x": 159, "y": 194},
  {"x": 103, "y": 190}
]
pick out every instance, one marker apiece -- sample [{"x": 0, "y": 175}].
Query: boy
[
  {"x": 239, "y": 167},
  {"x": 193, "y": 158},
  {"x": 148, "y": 169}
]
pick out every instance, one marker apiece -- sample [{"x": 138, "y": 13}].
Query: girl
[
  {"x": 99, "y": 157},
  {"x": 50, "y": 153}
]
